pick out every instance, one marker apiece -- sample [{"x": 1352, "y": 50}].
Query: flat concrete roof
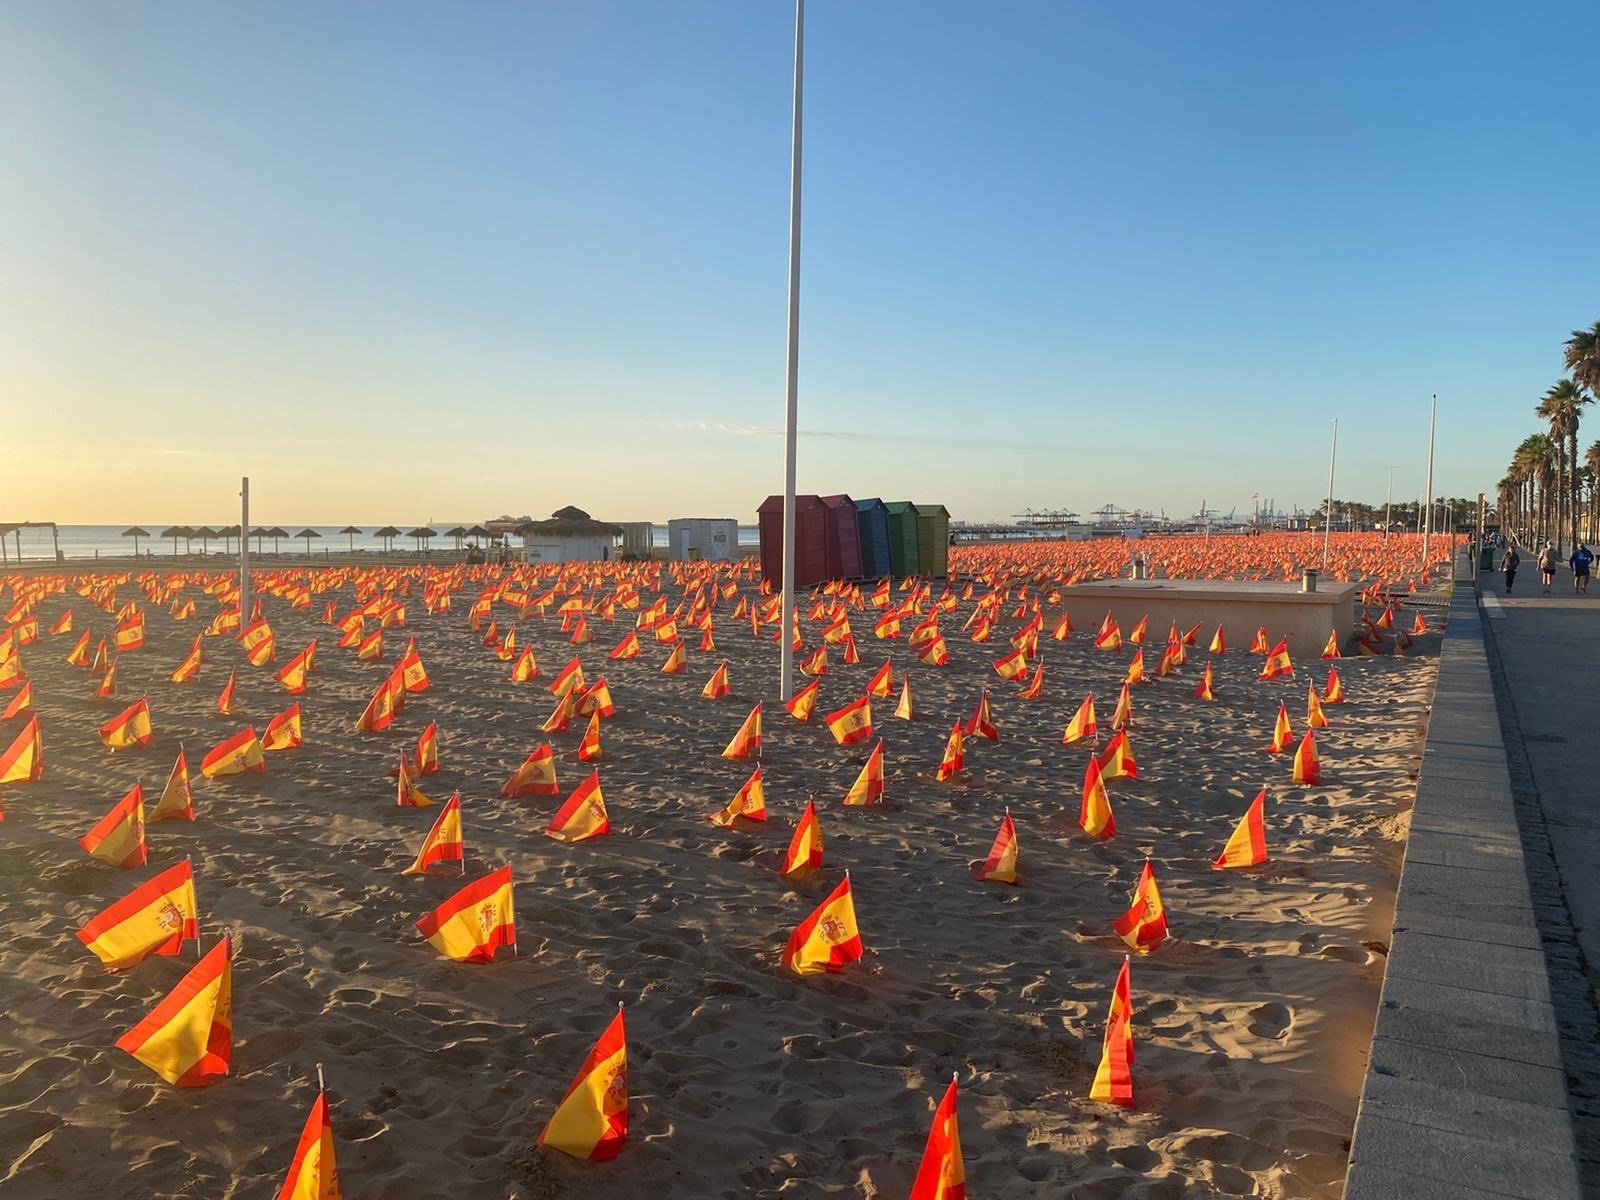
[{"x": 1217, "y": 589}]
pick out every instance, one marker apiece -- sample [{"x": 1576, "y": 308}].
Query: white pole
[
  {"x": 1327, "y": 513},
  {"x": 1427, "y": 525},
  {"x": 1388, "y": 496},
  {"x": 786, "y": 671},
  {"x": 244, "y": 551}
]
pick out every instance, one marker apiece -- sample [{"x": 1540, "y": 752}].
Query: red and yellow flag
[
  {"x": 476, "y": 921},
  {"x": 297, "y": 669},
  {"x": 1144, "y": 926},
  {"x": 1113, "y": 1079},
  {"x": 1122, "y": 715},
  {"x": 749, "y": 802},
  {"x": 828, "y": 940},
  {"x": 1248, "y": 845},
  {"x": 535, "y": 777},
  {"x": 1203, "y": 690},
  {"x": 131, "y": 727},
  {"x": 717, "y": 686},
  {"x": 1219, "y": 644},
  {"x": 1001, "y": 865},
  {"x": 1095, "y": 812},
  {"x": 259, "y": 644},
  {"x": 881, "y": 685},
  {"x": 868, "y": 787},
  {"x": 805, "y": 848},
  {"x": 589, "y": 747},
  {"x": 1137, "y": 635},
  {"x": 852, "y": 723},
  {"x": 1307, "y": 768},
  {"x": 981, "y": 724},
  {"x": 240, "y": 753},
  {"x": 1330, "y": 649},
  {"x": 427, "y": 755},
  {"x": 954, "y": 756},
  {"x": 406, "y": 792},
  {"x": 444, "y": 842},
  {"x": 1260, "y": 645},
  {"x": 597, "y": 699},
  {"x": 1082, "y": 724},
  {"x": 283, "y": 731},
  {"x": 190, "y": 666},
  {"x": 78, "y": 656},
  {"x": 176, "y": 802},
  {"x": 225, "y": 697},
  {"x": 188, "y": 1038},
  {"x": 1277, "y": 663},
  {"x": 130, "y": 634},
  {"x": 942, "y": 1175},
  {"x": 23, "y": 760},
  {"x": 1334, "y": 692},
  {"x": 1116, "y": 760},
  {"x": 370, "y": 648},
  {"x": 628, "y": 647},
  {"x": 1109, "y": 637},
  {"x": 903, "y": 710},
  {"x": 1281, "y": 734},
  {"x": 591, "y": 1122},
  {"x": 1012, "y": 665},
  {"x": 63, "y": 623},
  {"x": 108, "y": 683},
  {"x": 20, "y": 703},
  {"x": 385, "y": 705},
  {"x": 1315, "y": 718},
  {"x": 801, "y": 705},
  {"x": 313, "y": 1173},
  {"x": 569, "y": 679},
  {"x": 747, "y": 740},
  {"x": 583, "y": 816},
  {"x": 157, "y": 917}
]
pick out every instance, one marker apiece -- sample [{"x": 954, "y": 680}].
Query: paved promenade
[{"x": 1486, "y": 1013}]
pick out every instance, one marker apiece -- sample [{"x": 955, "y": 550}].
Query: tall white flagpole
[
  {"x": 1327, "y": 514},
  {"x": 244, "y": 552},
  {"x": 1427, "y": 525},
  {"x": 786, "y": 672}
]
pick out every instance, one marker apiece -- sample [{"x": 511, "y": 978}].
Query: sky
[{"x": 404, "y": 261}]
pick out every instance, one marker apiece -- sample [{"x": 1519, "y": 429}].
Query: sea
[{"x": 102, "y": 542}]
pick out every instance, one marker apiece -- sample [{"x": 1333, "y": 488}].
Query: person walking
[
  {"x": 1509, "y": 565},
  {"x": 1549, "y": 560},
  {"x": 1580, "y": 562}
]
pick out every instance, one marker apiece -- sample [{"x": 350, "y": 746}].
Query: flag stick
[
  {"x": 190, "y": 860},
  {"x": 1427, "y": 526},
  {"x": 244, "y": 549},
  {"x": 322, "y": 1085},
  {"x": 786, "y": 670},
  {"x": 1327, "y": 515}
]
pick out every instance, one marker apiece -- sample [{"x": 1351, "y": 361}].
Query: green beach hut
[{"x": 903, "y": 552}]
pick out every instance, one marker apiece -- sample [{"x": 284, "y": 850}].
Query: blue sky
[{"x": 400, "y": 261}]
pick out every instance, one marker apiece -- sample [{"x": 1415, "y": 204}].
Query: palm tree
[
  {"x": 1582, "y": 356},
  {"x": 1591, "y": 459},
  {"x": 1503, "y": 503},
  {"x": 1535, "y": 460},
  {"x": 1562, "y": 407}
]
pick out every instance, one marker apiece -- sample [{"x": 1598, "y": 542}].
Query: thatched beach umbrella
[
  {"x": 458, "y": 533},
  {"x": 227, "y": 533},
  {"x": 259, "y": 532},
  {"x": 351, "y": 530},
  {"x": 175, "y": 532},
  {"x": 205, "y": 533},
  {"x": 422, "y": 533},
  {"x": 275, "y": 533},
  {"x": 136, "y": 533},
  {"x": 308, "y": 533},
  {"x": 388, "y": 533}
]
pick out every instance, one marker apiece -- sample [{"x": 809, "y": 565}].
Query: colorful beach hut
[
  {"x": 933, "y": 540},
  {"x": 872, "y": 534},
  {"x": 810, "y": 540},
  {"x": 844, "y": 541},
  {"x": 903, "y": 555}
]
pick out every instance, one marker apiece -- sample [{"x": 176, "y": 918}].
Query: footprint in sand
[{"x": 1271, "y": 1021}]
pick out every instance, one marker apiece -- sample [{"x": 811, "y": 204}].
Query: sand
[{"x": 1252, "y": 1024}]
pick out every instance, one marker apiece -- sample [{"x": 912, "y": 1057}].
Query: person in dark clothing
[
  {"x": 1580, "y": 562},
  {"x": 1509, "y": 565}
]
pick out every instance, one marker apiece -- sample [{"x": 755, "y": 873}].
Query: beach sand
[{"x": 1251, "y": 1024}]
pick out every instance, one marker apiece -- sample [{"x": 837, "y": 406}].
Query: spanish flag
[
  {"x": 805, "y": 848},
  {"x": 747, "y": 740},
  {"x": 980, "y": 724},
  {"x": 1109, "y": 637},
  {"x": 1082, "y": 724},
  {"x": 131, "y": 727},
  {"x": 535, "y": 777},
  {"x": 954, "y": 759},
  {"x": 1144, "y": 926},
  {"x": 1331, "y": 649},
  {"x": 801, "y": 705},
  {"x": 427, "y": 755},
  {"x": 78, "y": 656},
  {"x": 1277, "y": 662},
  {"x": 1307, "y": 769},
  {"x": 371, "y": 647},
  {"x": 868, "y": 787},
  {"x": 1122, "y": 715},
  {"x": 1260, "y": 644},
  {"x": 1001, "y": 865},
  {"x": 1116, "y": 761},
  {"x": 591, "y": 1122},
  {"x": 1203, "y": 690},
  {"x": 506, "y": 650},
  {"x": 475, "y": 922},
  {"x": 63, "y": 623},
  {"x": 1036, "y": 688},
  {"x": 20, "y": 703},
  {"x": 677, "y": 662},
  {"x": 942, "y": 1175},
  {"x": 1314, "y": 715},
  {"x": 589, "y": 747},
  {"x": 1281, "y": 734},
  {"x": 444, "y": 842},
  {"x": 1334, "y": 692},
  {"x": 749, "y": 802},
  {"x": 188, "y": 1038},
  {"x": 1137, "y": 636},
  {"x": 561, "y": 716},
  {"x": 406, "y": 792},
  {"x": 828, "y": 939},
  {"x": 240, "y": 753},
  {"x": 717, "y": 686},
  {"x": 313, "y": 1173},
  {"x": 259, "y": 644},
  {"x": 852, "y": 723},
  {"x": 881, "y": 685},
  {"x": 597, "y": 700},
  {"x": 1219, "y": 644},
  {"x": 902, "y": 710},
  {"x": 176, "y": 802},
  {"x": 1136, "y": 668},
  {"x": 1063, "y": 629},
  {"x": 225, "y": 697},
  {"x": 816, "y": 663},
  {"x": 1113, "y": 1079},
  {"x": 190, "y": 666},
  {"x": 130, "y": 634},
  {"x": 628, "y": 647},
  {"x": 934, "y": 652},
  {"x": 157, "y": 917},
  {"x": 569, "y": 679},
  {"x": 583, "y": 816},
  {"x": 1012, "y": 665},
  {"x": 283, "y": 731},
  {"x": 1095, "y": 813},
  {"x": 1248, "y": 845},
  {"x": 526, "y": 668},
  {"x": 383, "y": 708},
  {"x": 108, "y": 683},
  {"x": 23, "y": 760},
  {"x": 294, "y": 673}
]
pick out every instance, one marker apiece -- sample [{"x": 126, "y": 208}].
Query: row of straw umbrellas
[{"x": 205, "y": 535}]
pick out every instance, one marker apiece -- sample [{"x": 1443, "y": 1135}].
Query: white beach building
[
  {"x": 570, "y": 535},
  {"x": 713, "y": 539}
]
